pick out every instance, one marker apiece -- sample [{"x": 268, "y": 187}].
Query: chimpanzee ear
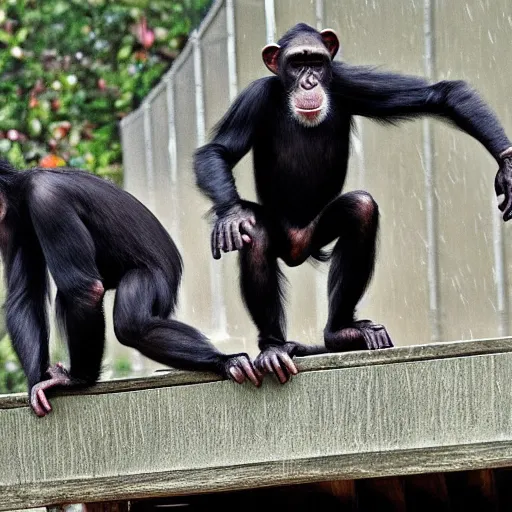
[
  {"x": 330, "y": 39},
  {"x": 270, "y": 56}
]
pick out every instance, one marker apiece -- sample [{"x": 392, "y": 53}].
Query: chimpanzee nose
[{"x": 309, "y": 83}]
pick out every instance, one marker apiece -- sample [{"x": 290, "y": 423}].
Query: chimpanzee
[
  {"x": 298, "y": 124},
  {"x": 92, "y": 236}
]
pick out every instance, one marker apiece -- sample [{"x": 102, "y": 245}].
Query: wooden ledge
[
  {"x": 171, "y": 377},
  {"x": 408, "y": 410}
]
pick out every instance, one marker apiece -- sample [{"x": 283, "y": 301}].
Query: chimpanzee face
[{"x": 304, "y": 66}]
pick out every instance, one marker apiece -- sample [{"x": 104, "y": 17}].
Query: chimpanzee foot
[
  {"x": 239, "y": 368},
  {"x": 277, "y": 359},
  {"x": 361, "y": 335},
  {"x": 59, "y": 376}
]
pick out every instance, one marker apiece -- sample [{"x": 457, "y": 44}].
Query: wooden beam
[{"x": 409, "y": 410}]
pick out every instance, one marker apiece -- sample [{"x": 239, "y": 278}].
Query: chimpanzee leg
[
  {"x": 353, "y": 219},
  {"x": 69, "y": 251},
  {"x": 142, "y": 306},
  {"x": 261, "y": 282},
  {"x": 85, "y": 330}
]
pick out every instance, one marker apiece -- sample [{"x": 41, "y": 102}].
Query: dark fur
[
  {"x": 300, "y": 172},
  {"x": 84, "y": 229}
]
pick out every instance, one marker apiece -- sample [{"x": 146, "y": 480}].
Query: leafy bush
[
  {"x": 71, "y": 69},
  {"x": 12, "y": 379}
]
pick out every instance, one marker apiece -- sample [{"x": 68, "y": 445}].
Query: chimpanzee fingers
[
  {"x": 506, "y": 198},
  {"x": 236, "y": 374},
  {"x": 250, "y": 371},
  {"x": 506, "y": 206},
  {"x": 260, "y": 364},
  {"x": 248, "y": 228},
  {"x": 237, "y": 236},
  {"x": 226, "y": 237},
  {"x": 503, "y": 187},
  {"x": 249, "y": 232},
  {"x": 289, "y": 364},
  {"x": 38, "y": 401},
  {"x": 267, "y": 365},
  {"x": 215, "y": 244},
  {"x": 43, "y": 400},
  {"x": 498, "y": 185},
  {"x": 507, "y": 215},
  {"x": 38, "y": 410},
  {"x": 385, "y": 340},
  {"x": 221, "y": 238},
  {"x": 34, "y": 404},
  {"x": 278, "y": 370}
]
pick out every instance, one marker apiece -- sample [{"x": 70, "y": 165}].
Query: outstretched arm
[
  {"x": 213, "y": 164},
  {"x": 392, "y": 97}
]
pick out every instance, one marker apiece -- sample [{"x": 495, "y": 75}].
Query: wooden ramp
[{"x": 404, "y": 411}]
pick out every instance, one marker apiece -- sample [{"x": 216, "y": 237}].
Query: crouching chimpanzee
[
  {"x": 297, "y": 124},
  {"x": 93, "y": 236}
]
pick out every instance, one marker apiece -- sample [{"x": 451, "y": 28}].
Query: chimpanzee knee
[
  {"x": 82, "y": 296},
  {"x": 366, "y": 207},
  {"x": 128, "y": 331},
  {"x": 255, "y": 253}
]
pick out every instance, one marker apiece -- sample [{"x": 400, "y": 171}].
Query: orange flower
[{"x": 51, "y": 161}]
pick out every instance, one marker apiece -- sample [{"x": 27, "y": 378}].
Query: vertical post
[
  {"x": 218, "y": 310},
  {"x": 171, "y": 120},
  {"x": 148, "y": 147},
  {"x": 428, "y": 169},
  {"x": 319, "y": 11},
  {"x": 199, "y": 96},
  {"x": 270, "y": 20},
  {"x": 172, "y": 155},
  {"x": 231, "y": 48},
  {"x": 500, "y": 275}
]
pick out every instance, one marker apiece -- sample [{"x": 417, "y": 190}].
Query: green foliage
[
  {"x": 12, "y": 379},
  {"x": 71, "y": 69},
  {"x": 122, "y": 367}
]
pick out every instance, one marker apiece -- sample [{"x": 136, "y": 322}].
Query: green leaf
[{"x": 124, "y": 53}]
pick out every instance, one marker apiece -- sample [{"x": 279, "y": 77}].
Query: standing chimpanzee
[
  {"x": 298, "y": 125},
  {"x": 93, "y": 236}
]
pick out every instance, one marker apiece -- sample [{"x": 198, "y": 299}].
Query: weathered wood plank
[
  {"x": 264, "y": 474},
  {"x": 420, "y": 410},
  {"x": 171, "y": 377}
]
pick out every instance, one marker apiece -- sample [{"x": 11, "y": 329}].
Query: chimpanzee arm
[
  {"x": 233, "y": 138},
  {"x": 393, "y": 97},
  {"x": 213, "y": 164},
  {"x": 26, "y": 312}
]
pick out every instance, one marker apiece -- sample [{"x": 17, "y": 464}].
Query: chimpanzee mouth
[
  {"x": 309, "y": 102},
  {"x": 309, "y": 110}
]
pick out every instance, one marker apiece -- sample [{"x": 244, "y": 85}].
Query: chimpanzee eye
[
  {"x": 297, "y": 64},
  {"x": 316, "y": 64}
]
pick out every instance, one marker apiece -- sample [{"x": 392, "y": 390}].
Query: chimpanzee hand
[
  {"x": 232, "y": 229},
  {"x": 239, "y": 367},
  {"x": 277, "y": 359},
  {"x": 59, "y": 376},
  {"x": 503, "y": 186}
]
